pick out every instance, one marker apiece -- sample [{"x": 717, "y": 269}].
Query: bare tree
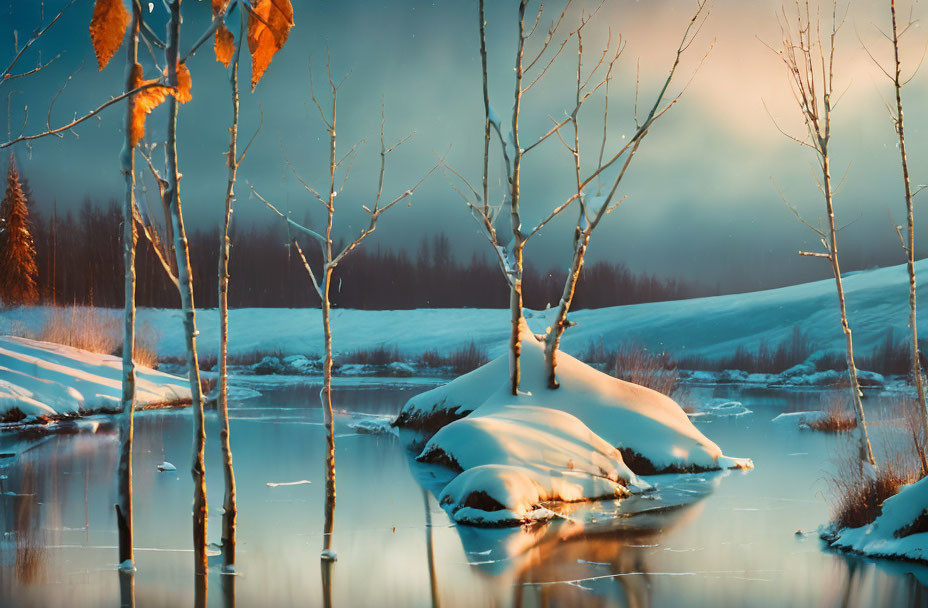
[
  {"x": 129, "y": 238},
  {"x": 810, "y": 64},
  {"x": 531, "y": 70},
  {"x": 908, "y": 240},
  {"x": 510, "y": 256},
  {"x": 331, "y": 258},
  {"x": 185, "y": 280},
  {"x": 593, "y": 209}
]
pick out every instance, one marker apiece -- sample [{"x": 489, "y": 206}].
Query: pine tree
[{"x": 18, "y": 270}]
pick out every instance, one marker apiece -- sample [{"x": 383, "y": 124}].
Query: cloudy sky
[{"x": 701, "y": 202}]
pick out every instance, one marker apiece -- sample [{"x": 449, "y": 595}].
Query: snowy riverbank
[
  {"x": 709, "y": 327},
  {"x": 40, "y": 379}
]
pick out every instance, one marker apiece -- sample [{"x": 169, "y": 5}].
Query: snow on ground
[
  {"x": 516, "y": 453},
  {"x": 41, "y": 378},
  {"x": 877, "y": 301},
  {"x": 900, "y": 531}
]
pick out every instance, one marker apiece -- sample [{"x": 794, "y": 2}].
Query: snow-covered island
[{"x": 517, "y": 455}]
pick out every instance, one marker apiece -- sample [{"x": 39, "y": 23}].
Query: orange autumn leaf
[
  {"x": 184, "y": 83},
  {"x": 224, "y": 45},
  {"x": 143, "y": 103},
  {"x": 107, "y": 29},
  {"x": 147, "y": 100},
  {"x": 267, "y": 34},
  {"x": 218, "y": 5}
]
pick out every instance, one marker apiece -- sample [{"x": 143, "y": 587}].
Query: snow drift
[
  {"x": 586, "y": 440},
  {"x": 900, "y": 531},
  {"x": 45, "y": 379}
]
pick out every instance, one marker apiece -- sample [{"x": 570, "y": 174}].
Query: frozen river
[{"x": 722, "y": 539}]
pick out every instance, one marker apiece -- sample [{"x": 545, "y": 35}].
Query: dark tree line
[{"x": 79, "y": 261}]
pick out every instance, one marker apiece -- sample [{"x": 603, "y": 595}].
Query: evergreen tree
[{"x": 18, "y": 270}]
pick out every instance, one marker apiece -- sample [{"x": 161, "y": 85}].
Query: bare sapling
[
  {"x": 907, "y": 239},
  {"x": 510, "y": 253},
  {"x": 593, "y": 209},
  {"x": 129, "y": 238},
  {"x": 810, "y": 64},
  {"x": 266, "y": 35},
  {"x": 229, "y": 507},
  {"x": 331, "y": 258}
]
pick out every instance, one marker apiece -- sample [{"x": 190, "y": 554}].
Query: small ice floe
[
  {"x": 371, "y": 425},
  {"x": 277, "y": 484},
  {"x": 126, "y": 566},
  {"x": 328, "y": 555},
  {"x": 726, "y": 408},
  {"x": 801, "y": 419},
  {"x": 166, "y": 466}
]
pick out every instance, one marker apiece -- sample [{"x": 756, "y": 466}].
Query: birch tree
[
  {"x": 509, "y": 252},
  {"x": 129, "y": 238},
  {"x": 809, "y": 61},
  {"x": 530, "y": 68},
  {"x": 592, "y": 209},
  {"x": 332, "y": 257},
  {"x": 907, "y": 239},
  {"x": 267, "y": 32}
]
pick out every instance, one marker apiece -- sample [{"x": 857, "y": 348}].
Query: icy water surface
[{"x": 724, "y": 539}]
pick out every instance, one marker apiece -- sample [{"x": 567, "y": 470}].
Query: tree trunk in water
[
  {"x": 910, "y": 249},
  {"x": 126, "y": 589},
  {"x": 866, "y": 450},
  {"x": 229, "y": 508},
  {"x": 553, "y": 337},
  {"x": 124, "y": 468},
  {"x": 329, "y": 420},
  {"x": 185, "y": 281}
]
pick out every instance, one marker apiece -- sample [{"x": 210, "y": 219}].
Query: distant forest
[{"x": 80, "y": 261}]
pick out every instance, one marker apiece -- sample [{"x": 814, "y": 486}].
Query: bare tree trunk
[
  {"x": 229, "y": 508},
  {"x": 553, "y": 337},
  {"x": 866, "y": 450},
  {"x": 329, "y": 524},
  {"x": 185, "y": 280},
  {"x": 124, "y": 468},
  {"x": 515, "y": 292},
  {"x": 909, "y": 246}
]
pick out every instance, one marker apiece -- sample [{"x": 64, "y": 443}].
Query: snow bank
[
  {"x": 41, "y": 378},
  {"x": 639, "y": 421},
  {"x": 711, "y": 327},
  {"x": 900, "y": 531},
  {"x": 580, "y": 442}
]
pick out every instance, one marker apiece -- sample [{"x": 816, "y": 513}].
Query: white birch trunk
[
  {"x": 185, "y": 281},
  {"x": 910, "y": 245},
  {"x": 229, "y": 507},
  {"x": 124, "y": 467}
]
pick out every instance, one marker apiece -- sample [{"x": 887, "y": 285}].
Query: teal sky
[{"x": 701, "y": 203}]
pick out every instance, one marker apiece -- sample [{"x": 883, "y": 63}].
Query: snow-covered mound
[
  {"x": 41, "y": 378},
  {"x": 900, "y": 531},
  {"x": 712, "y": 327},
  {"x": 585, "y": 440},
  {"x": 650, "y": 429},
  {"x": 516, "y": 457}
]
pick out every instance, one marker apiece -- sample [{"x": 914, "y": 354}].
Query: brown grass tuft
[
  {"x": 858, "y": 497},
  {"x": 838, "y": 416},
  {"x": 97, "y": 331},
  {"x": 639, "y": 366}
]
